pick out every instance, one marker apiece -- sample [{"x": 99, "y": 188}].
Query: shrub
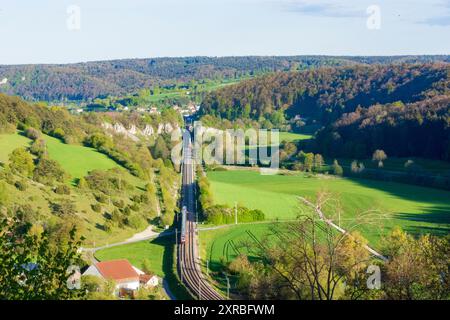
[
  {"x": 134, "y": 207},
  {"x": 135, "y": 221},
  {"x": 221, "y": 214},
  {"x": 120, "y": 204},
  {"x": 59, "y": 133},
  {"x": 21, "y": 162},
  {"x": 32, "y": 133},
  {"x": 101, "y": 198},
  {"x": 63, "y": 207},
  {"x": 82, "y": 184},
  {"x": 108, "y": 226},
  {"x": 126, "y": 211},
  {"x": 96, "y": 207},
  {"x": 136, "y": 199},
  {"x": 21, "y": 185},
  {"x": 47, "y": 171},
  {"x": 4, "y": 195},
  {"x": 39, "y": 148},
  {"x": 62, "y": 189}
]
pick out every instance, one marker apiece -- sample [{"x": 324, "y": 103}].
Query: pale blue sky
[{"x": 35, "y": 31}]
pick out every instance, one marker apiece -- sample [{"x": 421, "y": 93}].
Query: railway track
[{"x": 189, "y": 265}]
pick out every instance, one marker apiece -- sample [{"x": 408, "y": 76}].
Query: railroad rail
[{"x": 189, "y": 266}]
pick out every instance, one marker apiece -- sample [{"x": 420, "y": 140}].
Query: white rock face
[
  {"x": 119, "y": 128},
  {"x": 106, "y": 125},
  {"x": 148, "y": 131},
  {"x": 168, "y": 128},
  {"x": 134, "y": 132},
  {"x": 160, "y": 128}
]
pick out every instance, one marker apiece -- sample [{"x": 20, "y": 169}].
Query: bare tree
[
  {"x": 311, "y": 258},
  {"x": 380, "y": 156}
]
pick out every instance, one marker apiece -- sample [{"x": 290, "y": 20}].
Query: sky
[{"x": 66, "y": 31}]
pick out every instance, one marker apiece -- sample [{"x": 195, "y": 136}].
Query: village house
[{"x": 128, "y": 278}]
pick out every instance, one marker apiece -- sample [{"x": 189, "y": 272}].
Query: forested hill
[
  {"x": 84, "y": 81},
  {"x": 403, "y": 109},
  {"x": 420, "y": 129},
  {"x": 323, "y": 95}
]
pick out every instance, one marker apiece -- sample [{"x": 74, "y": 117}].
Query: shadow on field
[
  {"x": 422, "y": 230},
  {"x": 170, "y": 267},
  {"x": 439, "y": 216},
  {"x": 439, "y": 199}
]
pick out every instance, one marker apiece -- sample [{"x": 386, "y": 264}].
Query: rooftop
[{"x": 117, "y": 270}]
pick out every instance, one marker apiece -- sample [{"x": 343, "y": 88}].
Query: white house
[
  {"x": 128, "y": 278},
  {"x": 120, "y": 271},
  {"x": 149, "y": 280}
]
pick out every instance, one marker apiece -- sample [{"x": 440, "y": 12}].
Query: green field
[
  {"x": 74, "y": 159},
  {"x": 183, "y": 93},
  {"x": 415, "y": 209},
  {"x": 283, "y": 136},
  {"x": 226, "y": 243},
  {"x": 77, "y": 160},
  {"x": 160, "y": 254},
  {"x": 9, "y": 142},
  {"x": 222, "y": 245},
  {"x": 136, "y": 253},
  {"x": 290, "y": 136}
]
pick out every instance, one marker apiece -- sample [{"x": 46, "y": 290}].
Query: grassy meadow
[
  {"x": 9, "y": 142},
  {"x": 160, "y": 252},
  {"x": 136, "y": 253},
  {"x": 225, "y": 243},
  {"x": 415, "y": 209},
  {"x": 77, "y": 160},
  {"x": 74, "y": 159},
  {"x": 290, "y": 136}
]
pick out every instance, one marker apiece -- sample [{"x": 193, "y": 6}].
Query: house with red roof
[{"x": 127, "y": 277}]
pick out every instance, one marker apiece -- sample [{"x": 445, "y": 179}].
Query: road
[{"x": 188, "y": 256}]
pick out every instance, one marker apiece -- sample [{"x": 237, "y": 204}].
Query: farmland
[
  {"x": 224, "y": 243},
  {"x": 415, "y": 209}
]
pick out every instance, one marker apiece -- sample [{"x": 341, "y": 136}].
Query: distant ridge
[{"x": 88, "y": 80}]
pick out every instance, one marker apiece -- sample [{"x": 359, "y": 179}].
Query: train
[{"x": 183, "y": 224}]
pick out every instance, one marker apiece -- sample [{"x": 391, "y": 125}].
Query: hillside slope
[
  {"x": 58, "y": 170},
  {"x": 89, "y": 80},
  {"x": 359, "y": 108}
]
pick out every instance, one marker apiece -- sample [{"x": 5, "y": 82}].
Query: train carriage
[{"x": 183, "y": 224}]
